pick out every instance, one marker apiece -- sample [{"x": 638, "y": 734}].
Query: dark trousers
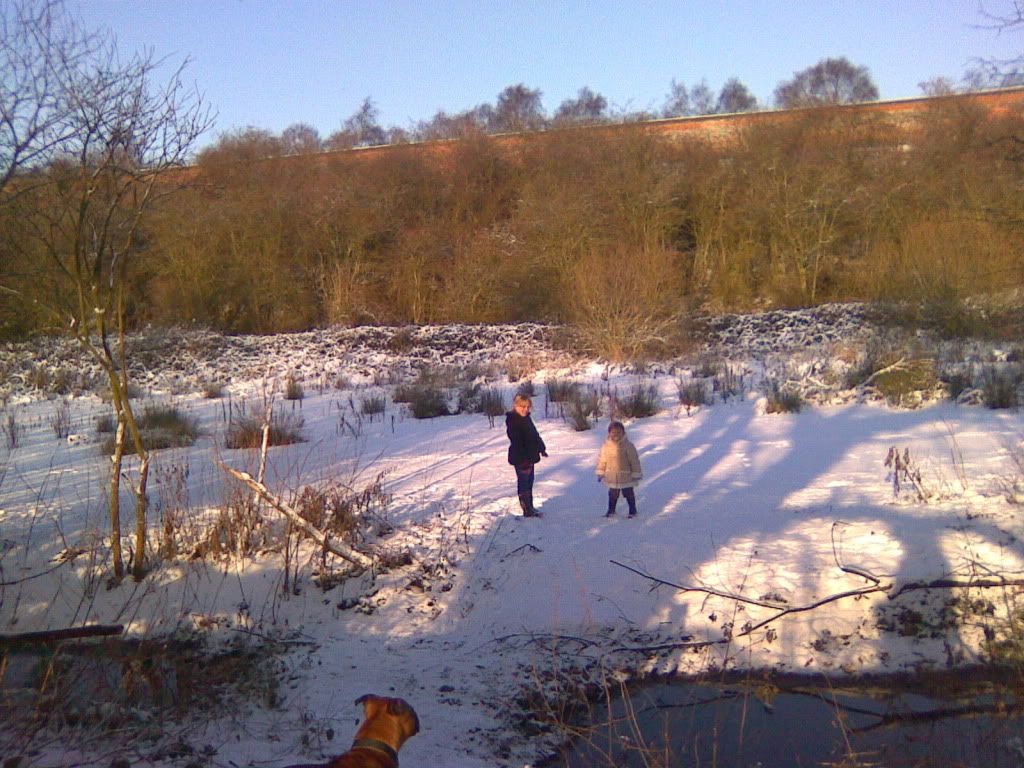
[
  {"x": 524, "y": 485},
  {"x": 613, "y": 499}
]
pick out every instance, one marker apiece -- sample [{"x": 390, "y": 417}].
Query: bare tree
[
  {"x": 830, "y": 81},
  {"x": 735, "y": 97},
  {"x": 99, "y": 140},
  {"x": 362, "y": 129},
  {"x": 587, "y": 107},
  {"x": 300, "y": 139},
  {"x": 937, "y": 86},
  {"x": 446, "y": 126},
  {"x": 999, "y": 73},
  {"x": 702, "y": 99},
  {"x": 677, "y": 102},
  {"x": 39, "y": 48},
  {"x": 518, "y": 109}
]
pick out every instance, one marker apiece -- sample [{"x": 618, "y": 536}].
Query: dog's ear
[
  {"x": 364, "y": 698},
  {"x": 401, "y": 708}
]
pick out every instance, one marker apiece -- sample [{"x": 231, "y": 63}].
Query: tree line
[
  {"x": 518, "y": 108},
  {"x": 612, "y": 230},
  {"x": 615, "y": 231}
]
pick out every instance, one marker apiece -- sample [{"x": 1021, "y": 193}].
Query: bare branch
[{"x": 335, "y": 547}]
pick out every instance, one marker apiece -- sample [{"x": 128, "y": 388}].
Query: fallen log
[
  {"x": 66, "y": 633},
  {"x": 338, "y": 548}
]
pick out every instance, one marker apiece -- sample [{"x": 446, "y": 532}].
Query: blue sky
[{"x": 271, "y": 64}]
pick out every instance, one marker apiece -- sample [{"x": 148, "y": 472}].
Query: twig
[
  {"x": 522, "y": 548},
  {"x": 706, "y": 590}
]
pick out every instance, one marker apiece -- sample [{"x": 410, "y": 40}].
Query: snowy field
[{"x": 781, "y": 509}]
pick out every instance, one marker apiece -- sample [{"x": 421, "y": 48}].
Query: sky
[{"x": 271, "y": 64}]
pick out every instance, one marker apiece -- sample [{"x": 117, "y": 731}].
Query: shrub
[
  {"x": 727, "y": 383},
  {"x": 956, "y": 384},
  {"x": 372, "y": 405},
  {"x": 561, "y": 390},
  {"x": 60, "y": 420},
  {"x": 401, "y": 340},
  {"x": 247, "y": 431},
  {"x": 691, "y": 393},
  {"x": 641, "y": 402},
  {"x": 134, "y": 393},
  {"x": 404, "y": 393},
  {"x": 486, "y": 400},
  {"x": 293, "y": 389},
  {"x": 427, "y": 402},
  {"x": 161, "y": 426},
  {"x": 520, "y": 366},
  {"x": 999, "y": 389},
  {"x": 492, "y": 402},
  {"x": 527, "y": 389},
  {"x": 783, "y": 399},
  {"x": 708, "y": 367},
  {"x": 582, "y": 408},
  {"x": 12, "y": 430},
  {"x": 64, "y": 381},
  {"x": 39, "y": 377},
  {"x": 105, "y": 424},
  {"x": 213, "y": 390},
  {"x": 898, "y": 383}
]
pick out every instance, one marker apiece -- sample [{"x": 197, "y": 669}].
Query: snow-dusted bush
[
  {"x": 247, "y": 431},
  {"x": 162, "y": 426},
  {"x": 1000, "y": 388},
  {"x": 582, "y": 408},
  {"x": 426, "y": 402},
  {"x": 293, "y": 389},
  {"x": 372, "y": 405},
  {"x": 561, "y": 390},
  {"x": 639, "y": 403},
  {"x": 60, "y": 419},
  {"x": 212, "y": 390},
  {"x": 691, "y": 393},
  {"x": 782, "y": 398}
]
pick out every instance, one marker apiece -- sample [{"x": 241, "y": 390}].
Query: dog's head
[{"x": 388, "y": 719}]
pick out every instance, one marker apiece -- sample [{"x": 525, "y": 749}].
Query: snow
[{"x": 768, "y": 506}]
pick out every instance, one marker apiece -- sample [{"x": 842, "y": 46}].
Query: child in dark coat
[{"x": 524, "y": 450}]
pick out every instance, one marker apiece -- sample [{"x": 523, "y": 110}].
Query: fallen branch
[
  {"x": 334, "y": 547},
  {"x": 782, "y": 610},
  {"x": 705, "y": 590},
  {"x": 67, "y": 633},
  {"x": 899, "y": 365}
]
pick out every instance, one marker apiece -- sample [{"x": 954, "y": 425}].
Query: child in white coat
[{"x": 618, "y": 465}]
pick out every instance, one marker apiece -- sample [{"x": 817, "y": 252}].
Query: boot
[{"x": 526, "y": 504}]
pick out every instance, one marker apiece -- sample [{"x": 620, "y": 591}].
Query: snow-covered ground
[{"x": 784, "y": 509}]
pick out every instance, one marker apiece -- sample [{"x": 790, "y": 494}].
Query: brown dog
[{"x": 389, "y": 723}]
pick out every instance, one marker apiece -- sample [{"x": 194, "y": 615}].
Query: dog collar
[{"x": 380, "y": 746}]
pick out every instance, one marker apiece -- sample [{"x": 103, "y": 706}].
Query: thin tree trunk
[
  {"x": 141, "y": 505},
  {"x": 115, "y": 501}
]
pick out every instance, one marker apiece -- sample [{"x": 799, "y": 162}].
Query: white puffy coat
[{"x": 618, "y": 464}]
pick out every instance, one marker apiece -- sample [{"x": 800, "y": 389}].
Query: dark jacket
[{"x": 525, "y": 444}]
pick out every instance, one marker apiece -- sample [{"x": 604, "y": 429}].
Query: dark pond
[
  {"x": 970, "y": 718},
  {"x": 107, "y": 681}
]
